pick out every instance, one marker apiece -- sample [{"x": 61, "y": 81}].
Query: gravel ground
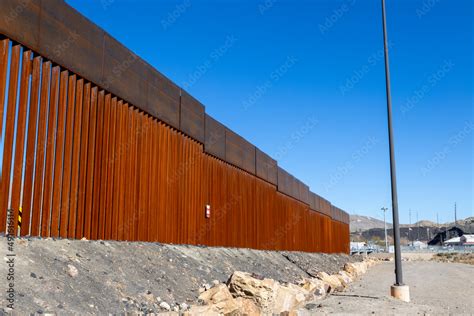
[
  {"x": 435, "y": 289},
  {"x": 114, "y": 277}
]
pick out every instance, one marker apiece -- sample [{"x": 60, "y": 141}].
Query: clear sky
[{"x": 304, "y": 81}]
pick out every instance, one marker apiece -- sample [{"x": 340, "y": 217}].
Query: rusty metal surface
[
  {"x": 192, "y": 117},
  {"x": 214, "y": 142},
  {"x": 239, "y": 151},
  {"x": 20, "y": 20},
  {"x": 266, "y": 167},
  {"x": 104, "y": 169},
  {"x": 61, "y": 34},
  {"x": 162, "y": 98}
]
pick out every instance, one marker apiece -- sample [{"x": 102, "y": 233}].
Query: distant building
[
  {"x": 456, "y": 241},
  {"x": 464, "y": 240},
  {"x": 358, "y": 245},
  {"x": 445, "y": 235},
  {"x": 467, "y": 240},
  {"x": 420, "y": 245}
]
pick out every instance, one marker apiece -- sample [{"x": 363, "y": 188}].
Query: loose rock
[{"x": 72, "y": 271}]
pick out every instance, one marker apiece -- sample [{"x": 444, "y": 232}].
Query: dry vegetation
[{"x": 455, "y": 257}]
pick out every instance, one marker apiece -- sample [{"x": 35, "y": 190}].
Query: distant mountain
[
  {"x": 365, "y": 228},
  {"x": 361, "y": 223}
]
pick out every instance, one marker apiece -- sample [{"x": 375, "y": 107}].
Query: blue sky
[{"x": 304, "y": 81}]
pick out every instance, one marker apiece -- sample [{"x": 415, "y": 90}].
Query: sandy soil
[{"x": 436, "y": 289}]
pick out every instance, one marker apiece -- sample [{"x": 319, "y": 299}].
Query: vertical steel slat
[
  {"x": 49, "y": 167},
  {"x": 117, "y": 171},
  {"x": 9, "y": 132},
  {"x": 83, "y": 162},
  {"x": 131, "y": 191},
  {"x": 147, "y": 178},
  {"x": 75, "y": 159},
  {"x": 97, "y": 166},
  {"x": 104, "y": 168},
  {"x": 123, "y": 179},
  {"x": 59, "y": 156},
  {"x": 141, "y": 192},
  {"x": 36, "y": 208},
  {"x": 30, "y": 147},
  {"x": 134, "y": 154},
  {"x": 128, "y": 170},
  {"x": 153, "y": 184},
  {"x": 66, "y": 195},
  {"x": 4, "y": 47},
  {"x": 110, "y": 169},
  {"x": 161, "y": 232},
  {"x": 20, "y": 137},
  {"x": 90, "y": 183}
]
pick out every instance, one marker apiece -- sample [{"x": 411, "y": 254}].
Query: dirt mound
[{"x": 77, "y": 277}]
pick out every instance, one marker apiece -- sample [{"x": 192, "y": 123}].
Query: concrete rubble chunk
[
  {"x": 315, "y": 286},
  {"x": 220, "y": 299},
  {"x": 344, "y": 278},
  {"x": 331, "y": 280},
  {"x": 355, "y": 269},
  {"x": 262, "y": 292},
  {"x": 268, "y": 295},
  {"x": 247, "y": 307},
  {"x": 290, "y": 297}
]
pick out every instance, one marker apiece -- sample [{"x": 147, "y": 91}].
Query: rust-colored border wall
[{"x": 103, "y": 101}]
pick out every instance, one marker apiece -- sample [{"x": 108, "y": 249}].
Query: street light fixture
[{"x": 398, "y": 290}]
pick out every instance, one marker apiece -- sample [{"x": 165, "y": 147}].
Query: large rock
[
  {"x": 268, "y": 295},
  {"x": 201, "y": 310},
  {"x": 355, "y": 269},
  {"x": 344, "y": 277},
  {"x": 315, "y": 286},
  {"x": 219, "y": 299},
  {"x": 331, "y": 280},
  {"x": 247, "y": 307},
  {"x": 262, "y": 292},
  {"x": 289, "y": 298}
]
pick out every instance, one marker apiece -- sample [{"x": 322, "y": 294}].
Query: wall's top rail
[{"x": 58, "y": 32}]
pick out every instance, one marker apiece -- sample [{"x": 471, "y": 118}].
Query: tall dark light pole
[{"x": 398, "y": 290}]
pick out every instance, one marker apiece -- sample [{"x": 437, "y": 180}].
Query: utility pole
[
  {"x": 455, "y": 215},
  {"x": 398, "y": 290},
  {"x": 410, "y": 234},
  {"x": 417, "y": 227},
  {"x": 384, "y": 209}
]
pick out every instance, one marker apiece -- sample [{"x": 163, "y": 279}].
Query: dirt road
[{"x": 436, "y": 289}]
